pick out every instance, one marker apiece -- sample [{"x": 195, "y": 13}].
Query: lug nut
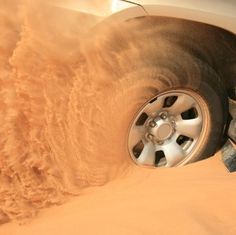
[
  {"x": 160, "y": 142},
  {"x": 152, "y": 124},
  {"x": 163, "y": 115},
  {"x": 150, "y": 136}
]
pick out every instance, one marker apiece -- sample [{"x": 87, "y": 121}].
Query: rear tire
[{"x": 138, "y": 67}]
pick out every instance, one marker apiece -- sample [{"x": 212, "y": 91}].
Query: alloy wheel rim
[{"x": 168, "y": 129}]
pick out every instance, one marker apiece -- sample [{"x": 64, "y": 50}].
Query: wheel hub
[{"x": 162, "y": 130}]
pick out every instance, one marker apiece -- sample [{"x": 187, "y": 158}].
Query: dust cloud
[
  {"x": 52, "y": 109},
  {"x": 63, "y": 91}
]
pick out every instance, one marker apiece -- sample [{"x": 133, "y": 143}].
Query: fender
[{"x": 213, "y": 12}]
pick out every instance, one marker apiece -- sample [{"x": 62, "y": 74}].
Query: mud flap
[
  {"x": 229, "y": 156},
  {"x": 232, "y": 126},
  {"x": 229, "y": 150}
]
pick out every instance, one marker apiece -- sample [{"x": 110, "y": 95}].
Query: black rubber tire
[{"x": 138, "y": 65}]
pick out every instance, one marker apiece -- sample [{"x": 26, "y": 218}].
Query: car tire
[{"x": 139, "y": 73}]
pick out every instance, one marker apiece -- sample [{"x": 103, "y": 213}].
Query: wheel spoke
[
  {"x": 147, "y": 157},
  {"x": 173, "y": 153},
  {"x": 190, "y": 128},
  {"x": 136, "y": 134},
  {"x": 182, "y": 104},
  {"x": 152, "y": 108}
]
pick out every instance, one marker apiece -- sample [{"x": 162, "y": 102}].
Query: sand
[
  {"x": 195, "y": 199},
  {"x": 65, "y": 112}
]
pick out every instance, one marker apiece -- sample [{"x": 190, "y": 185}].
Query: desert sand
[
  {"x": 62, "y": 168},
  {"x": 195, "y": 199}
]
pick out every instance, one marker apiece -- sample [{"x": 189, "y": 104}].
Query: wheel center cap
[{"x": 164, "y": 131}]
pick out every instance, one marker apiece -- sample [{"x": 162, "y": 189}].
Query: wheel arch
[
  {"x": 137, "y": 10},
  {"x": 219, "y": 22}
]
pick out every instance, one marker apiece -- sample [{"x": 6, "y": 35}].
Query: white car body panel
[
  {"x": 219, "y": 7},
  {"x": 214, "y": 12},
  {"x": 221, "y": 13},
  {"x": 221, "y": 21}
]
